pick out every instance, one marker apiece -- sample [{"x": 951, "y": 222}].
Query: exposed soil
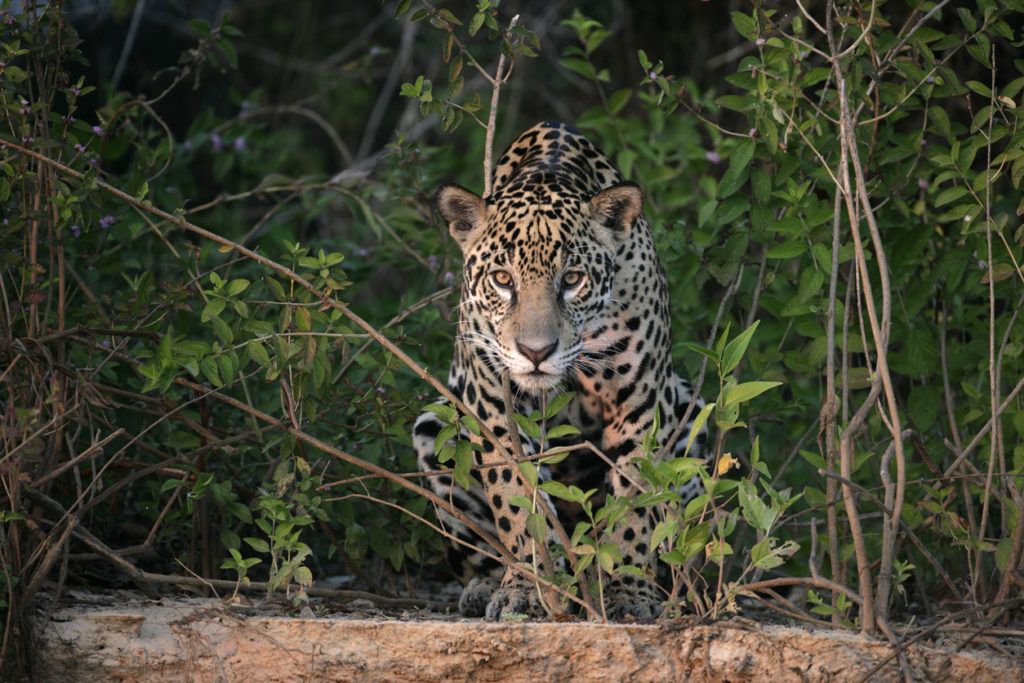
[{"x": 121, "y": 637}]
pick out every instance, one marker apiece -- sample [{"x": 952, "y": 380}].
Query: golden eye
[
  {"x": 502, "y": 278},
  {"x": 572, "y": 278}
]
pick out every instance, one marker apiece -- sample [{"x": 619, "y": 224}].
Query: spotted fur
[{"x": 562, "y": 287}]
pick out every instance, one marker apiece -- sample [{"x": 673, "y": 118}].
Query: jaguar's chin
[{"x": 536, "y": 380}]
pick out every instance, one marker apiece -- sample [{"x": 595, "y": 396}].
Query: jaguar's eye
[
  {"x": 502, "y": 279},
  {"x": 572, "y": 278}
]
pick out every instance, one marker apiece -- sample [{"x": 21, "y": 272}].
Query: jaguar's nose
[{"x": 537, "y": 355}]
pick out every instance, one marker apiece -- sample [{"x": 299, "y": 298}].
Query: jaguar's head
[{"x": 539, "y": 265}]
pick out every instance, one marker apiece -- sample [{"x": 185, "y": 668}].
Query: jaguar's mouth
[{"x": 537, "y": 380}]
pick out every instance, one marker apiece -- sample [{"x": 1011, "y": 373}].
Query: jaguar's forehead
[{"x": 540, "y": 223}]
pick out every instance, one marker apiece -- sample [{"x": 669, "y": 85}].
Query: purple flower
[
  {"x": 239, "y": 144},
  {"x": 97, "y": 130},
  {"x": 76, "y": 92},
  {"x": 79, "y": 147},
  {"x": 653, "y": 76},
  {"x": 216, "y": 142},
  {"x": 922, "y": 183},
  {"x": 448, "y": 278},
  {"x": 25, "y": 108},
  {"x": 76, "y": 231},
  {"x": 752, "y": 132},
  {"x": 759, "y": 41},
  {"x": 362, "y": 252},
  {"x": 712, "y": 156},
  {"x": 107, "y": 221},
  {"x": 27, "y": 140},
  {"x": 432, "y": 261},
  {"x": 188, "y": 146}
]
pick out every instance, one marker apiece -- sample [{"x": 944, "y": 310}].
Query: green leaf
[
  {"x": 447, "y": 14},
  {"x": 199, "y": 27},
  {"x": 303, "y": 576},
  {"x": 441, "y": 440},
  {"x": 529, "y": 472},
  {"x": 470, "y": 423},
  {"x": 787, "y": 250},
  {"x": 536, "y": 526},
  {"x": 744, "y": 24},
  {"x": 608, "y": 556},
  {"x": 463, "y": 463},
  {"x": 748, "y": 390},
  {"x": 402, "y": 7},
  {"x": 979, "y": 88},
  {"x": 664, "y": 530},
  {"x": 258, "y": 544},
  {"x": 240, "y": 511},
  {"x": 739, "y": 168},
  {"x": 529, "y": 427},
  {"x": 303, "y": 320},
  {"x": 698, "y": 424},
  {"x": 521, "y": 502},
  {"x": 258, "y": 353},
  {"x": 735, "y": 349},
  {"x": 765, "y": 555},
  {"x": 717, "y": 549},
  {"x": 580, "y": 66},
  {"x": 227, "y": 368},
  {"x": 556, "y": 403},
  {"x": 813, "y": 458},
  {"x": 950, "y": 194},
  {"x": 447, "y": 413},
  {"x": 475, "y": 23},
  {"x": 562, "y": 430},
  {"x": 209, "y": 368},
  {"x": 761, "y": 183},
  {"x": 755, "y": 511},
  {"x": 222, "y": 330},
  {"x": 169, "y": 484},
  {"x": 237, "y": 286},
  {"x": 556, "y": 489},
  {"x": 163, "y": 351},
  {"x": 619, "y": 99},
  {"x": 703, "y": 350},
  {"x": 734, "y": 102}
]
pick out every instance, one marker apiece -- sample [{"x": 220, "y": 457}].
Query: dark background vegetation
[{"x": 282, "y": 128}]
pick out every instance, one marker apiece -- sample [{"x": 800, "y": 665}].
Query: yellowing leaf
[{"x": 726, "y": 463}]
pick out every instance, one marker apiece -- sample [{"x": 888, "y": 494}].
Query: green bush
[{"x": 212, "y": 335}]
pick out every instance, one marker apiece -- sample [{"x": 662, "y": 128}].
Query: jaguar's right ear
[{"x": 464, "y": 211}]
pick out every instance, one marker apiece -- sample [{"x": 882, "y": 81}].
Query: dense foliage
[{"x": 219, "y": 295}]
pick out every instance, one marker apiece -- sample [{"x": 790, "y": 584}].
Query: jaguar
[{"x": 562, "y": 290}]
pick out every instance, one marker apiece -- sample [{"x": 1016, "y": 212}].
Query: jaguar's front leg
[
  {"x": 502, "y": 481},
  {"x": 627, "y": 595}
]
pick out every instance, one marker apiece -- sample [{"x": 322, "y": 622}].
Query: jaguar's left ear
[{"x": 618, "y": 207}]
